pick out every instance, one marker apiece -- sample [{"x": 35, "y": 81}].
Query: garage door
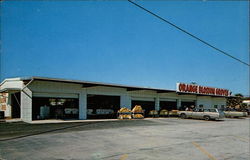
[
  {"x": 168, "y": 105},
  {"x": 55, "y": 107}
]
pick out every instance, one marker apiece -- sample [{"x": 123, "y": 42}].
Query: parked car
[
  {"x": 206, "y": 114},
  {"x": 235, "y": 114}
]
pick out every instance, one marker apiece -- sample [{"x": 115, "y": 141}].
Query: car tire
[
  {"x": 183, "y": 116},
  {"x": 207, "y": 118}
]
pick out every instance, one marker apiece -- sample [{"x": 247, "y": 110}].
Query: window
[
  {"x": 223, "y": 107},
  {"x": 215, "y": 106}
]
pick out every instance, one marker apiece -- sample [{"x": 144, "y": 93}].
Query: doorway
[{"x": 15, "y": 105}]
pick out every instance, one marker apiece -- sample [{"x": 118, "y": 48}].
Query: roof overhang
[
  {"x": 87, "y": 84},
  {"x": 10, "y": 90}
]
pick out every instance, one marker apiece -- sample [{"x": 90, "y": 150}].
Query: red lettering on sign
[{"x": 189, "y": 88}]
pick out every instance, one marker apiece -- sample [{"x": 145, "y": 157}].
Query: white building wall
[
  {"x": 54, "y": 87},
  {"x": 101, "y": 90},
  {"x": 11, "y": 84},
  {"x": 189, "y": 98},
  {"x": 219, "y": 102},
  {"x": 48, "y": 88},
  {"x": 125, "y": 101},
  {"x": 210, "y": 102},
  {"x": 147, "y": 94},
  {"x": 206, "y": 101}
]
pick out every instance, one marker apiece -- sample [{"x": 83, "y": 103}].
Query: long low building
[{"x": 37, "y": 98}]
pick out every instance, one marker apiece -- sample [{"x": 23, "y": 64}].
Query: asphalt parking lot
[{"x": 152, "y": 139}]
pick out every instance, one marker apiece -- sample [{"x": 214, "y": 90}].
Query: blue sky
[{"x": 108, "y": 41}]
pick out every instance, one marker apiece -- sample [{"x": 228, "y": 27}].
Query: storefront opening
[
  {"x": 168, "y": 105},
  {"x": 55, "y": 108},
  {"x": 147, "y": 106},
  {"x": 102, "y": 107}
]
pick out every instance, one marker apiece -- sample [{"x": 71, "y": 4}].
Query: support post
[
  {"x": 125, "y": 101},
  {"x": 26, "y": 105},
  {"x": 83, "y": 105},
  {"x": 178, "y": 103},
  {"x": 157, "y": 103}
]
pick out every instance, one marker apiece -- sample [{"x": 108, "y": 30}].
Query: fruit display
[
  {"x": 153, "y": 112},
  {"x": 124, "y": 110},
  {"x": 125, "y": 116},
  {"x": 164, "y": 112},
  {"x": 137, "y": 112},
  {"x": 124, "y": 113},
  {"x": 138, "y": 116},
  {"x": 173, "y": 113},
  {"x": 137, "y": 109}
]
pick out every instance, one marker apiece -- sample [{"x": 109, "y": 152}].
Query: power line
[{"x": 190, "y": 34}]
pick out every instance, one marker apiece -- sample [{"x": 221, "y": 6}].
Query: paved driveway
[{"x": 170, "y": 138}]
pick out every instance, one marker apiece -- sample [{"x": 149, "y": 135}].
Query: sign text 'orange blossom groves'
[{"x": 190, "y": 88}]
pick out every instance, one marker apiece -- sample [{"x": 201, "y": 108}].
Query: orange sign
[{"x": 191, "y": 88}]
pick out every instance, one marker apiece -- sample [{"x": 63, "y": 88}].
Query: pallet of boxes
[
  {"x": 124, "y": 113},
  {"x": 137, "y": 112}
]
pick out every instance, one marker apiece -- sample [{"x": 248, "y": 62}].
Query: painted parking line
[
  {"x": 123, "y": 157},
  {"x": 204, "y": 151},
  {"x": 241, "y": 138}
]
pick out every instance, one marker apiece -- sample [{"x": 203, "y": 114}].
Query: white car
[
  {"x": 235, "y": 114},
  {"x": 205, "y": 114}
]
